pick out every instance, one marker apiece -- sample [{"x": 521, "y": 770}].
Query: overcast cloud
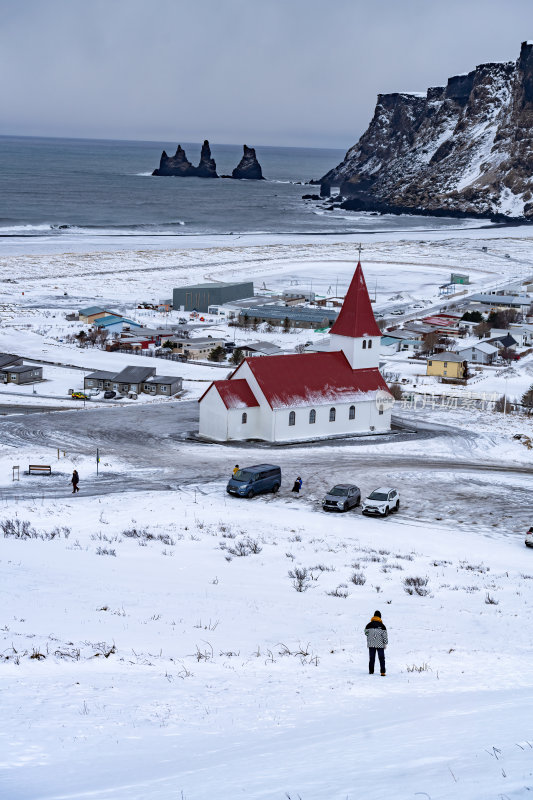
[{"x": 286, "y": 72}]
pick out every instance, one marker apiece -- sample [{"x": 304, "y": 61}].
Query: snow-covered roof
[
  {"x": 446, "y": 357},
  {"x": 483, "y": 347},
  {"x": 309, "y": 379},
  {"x": 234, "y": 393}
]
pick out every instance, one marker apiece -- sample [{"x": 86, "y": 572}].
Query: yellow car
[{"x": 80, "y": 396}]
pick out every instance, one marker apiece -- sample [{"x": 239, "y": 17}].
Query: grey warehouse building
[{"x": 203, "y": 295}]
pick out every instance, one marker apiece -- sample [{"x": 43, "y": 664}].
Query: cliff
[
  {"x": 248, "y": 167},
  {"x": 463, "y": 149},
  {"x": 178, "y": 165}
]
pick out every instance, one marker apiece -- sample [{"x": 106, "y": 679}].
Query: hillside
[{"x": 462, "y": 149}]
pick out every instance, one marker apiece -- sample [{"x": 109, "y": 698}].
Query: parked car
[
  {"x": 109, "y": 394},
  {"x": 250, "y": 481},
  {"x": 381, "y": 501},
  {"x": 529, "y": 538},
  {"x": 342, "y": 497},
  {"x": 80, "y": 396}
]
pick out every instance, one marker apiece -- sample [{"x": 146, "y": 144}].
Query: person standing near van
[
  {"x": 297, "y": 485},
  {"x": 376, "y": 641},
  {"x": 74, "y": 481},
  {"x": 235, "y": 468}
]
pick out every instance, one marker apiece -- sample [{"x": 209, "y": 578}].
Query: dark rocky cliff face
[
  {"x": 248, "y": 167},
  {"x": 178, "y": 165},
  {"x": 466, "y": 148}
]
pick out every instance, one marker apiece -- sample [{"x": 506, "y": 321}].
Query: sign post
[{"x": 97, "y": 460}]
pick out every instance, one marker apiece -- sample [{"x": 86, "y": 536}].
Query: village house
[
  {"x": 21, "y": 374},
  {"x": 193, "y": 349},
  {"x": 295, "y": 317},
  {"x": 259, "y": 349},
  {"x": 447, "y": 365},
  {"x": 167, "y": 385},
  {"x": 480, "y": 353},
  {"x": 307, "y": 396},
  {"x": 113, "y": 324},
  {"x": 88, "y": 315}
]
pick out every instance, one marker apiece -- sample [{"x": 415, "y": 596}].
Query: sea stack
[
  {"x": 176, "y": 165},
  {"x": 207, "y": 167},
  {"x": 248, "y": 167}
]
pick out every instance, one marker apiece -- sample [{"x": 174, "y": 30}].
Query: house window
[
  {"x": 430, "y": 363},
  {"x": 369, "y": 343},
  {"x": 163, "y": 388},
  {"x": 364, "y": 344},
  {"x": 292, "y": 418},
  {"x": 244, "y": 418},
  {"x": 445, "y": 363},
  {"x": 312, "y": 416},
  {"x": 332, "y": 415},
  {"x": 380, "y": 410},
  {"x": 351, "y": 414}
]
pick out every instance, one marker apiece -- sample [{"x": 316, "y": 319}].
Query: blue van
[{"x": 250, "y": 481}]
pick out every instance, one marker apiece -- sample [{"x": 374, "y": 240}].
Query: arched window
[
  {"x": 351, "y": 414},
  {"x": 244, "y": 419},
  {"x": 364, "y": 344},
  {"x": 369, "y": 343},
  {"x": 332, "y": 415},
  {"x": 312, "y": 416},
  {"x": 380, "y": 410},
  {"x": 292, "y": 418}
]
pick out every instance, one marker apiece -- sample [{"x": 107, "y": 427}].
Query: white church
[{"x": 309, "y": 395}]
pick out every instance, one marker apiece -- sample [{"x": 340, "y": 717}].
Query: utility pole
[{"x": 97, "y": 460}]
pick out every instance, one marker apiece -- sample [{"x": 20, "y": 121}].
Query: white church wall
[
  {"x": 213, "y": 417},
  {"x": 265, "y": 419},
  {"x": 366, "y": 415},
  {"x": 239, "y": 429}
]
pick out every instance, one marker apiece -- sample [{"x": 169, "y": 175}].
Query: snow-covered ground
[
  {"x": 180, "y": 669},
  {"x": 143, "y": 658}
]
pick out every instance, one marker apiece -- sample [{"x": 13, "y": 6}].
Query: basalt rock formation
[
  {"x": 248, "y": 167},
  {"x": 178, "y": 165},
  {"x": 464, "y": 149},
  {"x": 207, "y": 167}
]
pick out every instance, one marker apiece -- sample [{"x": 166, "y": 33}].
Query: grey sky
[{"x": 287, "y": 72}]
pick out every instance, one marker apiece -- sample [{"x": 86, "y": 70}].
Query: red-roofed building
[{"x": 310, "y": 395}]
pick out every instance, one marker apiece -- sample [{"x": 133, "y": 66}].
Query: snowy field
[{"x": 153, "y": 643}]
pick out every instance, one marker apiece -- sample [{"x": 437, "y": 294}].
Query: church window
[
  {"x": 364, "y": 344},
  {"x": 244, "y": 418},
  {"x": 292, "y": 418},
  {"x": 312, "y": 416},
  {"x": 381, "y": 409},
  {"x": 332, "y": 415},
  {"x": 369, "y": 343},
  {"x": 352, "y": 412}
]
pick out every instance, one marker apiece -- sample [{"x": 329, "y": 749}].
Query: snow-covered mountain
[{"x": 466, "y": 148}]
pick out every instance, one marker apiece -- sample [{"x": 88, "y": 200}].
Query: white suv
[
  {"x": 381, "y": 501},
  {"x": 529, "y": 537}
]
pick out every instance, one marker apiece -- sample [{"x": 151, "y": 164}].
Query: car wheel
[
  {"x": 397, "y": 506},
  {"x": 275, "y": 488},
  {"x": 386, "y": 512},
  {"x": 250, "y": 494},
  {"x": 345, "y": 507}
]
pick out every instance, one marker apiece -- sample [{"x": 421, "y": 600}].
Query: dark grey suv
[{"x": 342, "y": 497}]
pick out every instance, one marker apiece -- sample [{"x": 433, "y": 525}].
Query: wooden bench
[{"x": 39, "y": 469}]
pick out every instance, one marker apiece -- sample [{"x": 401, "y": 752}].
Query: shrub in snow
[
  {"x": 245, "y": 547},
  {"x": 105, "y": 551},
  {"x": 490, "y": 600},
  {"x": 301, "y": 578},
  {"x": 416, "y": 586},
  {"x": 358, "y": 578},
  {"x": 340, "y": 591}
]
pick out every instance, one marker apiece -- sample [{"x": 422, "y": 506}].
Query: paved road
[{"x": 161, "y": 454}]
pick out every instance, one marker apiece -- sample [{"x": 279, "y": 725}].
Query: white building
[
  {"x": 480, "y": 353},
  {"x": 309, "y": 395}
]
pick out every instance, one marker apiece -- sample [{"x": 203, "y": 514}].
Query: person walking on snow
[
  {"x": 376, "y": 640},
  {"x": 297, "y": 485},
  {"x": 75, "y": 480}
]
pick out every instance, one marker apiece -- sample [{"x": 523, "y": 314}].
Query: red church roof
[
  {"x": 356, "y": 317},
  {"x": 310, "y": 379},
  {"x": 234, "y": 394}
]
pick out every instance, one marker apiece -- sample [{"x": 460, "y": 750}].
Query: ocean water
[{"x": 76, "y": 189}]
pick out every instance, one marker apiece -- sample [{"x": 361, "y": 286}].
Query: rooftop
[
  {"x": 356, "y": 317},
  {"x": 446, "y": 357},
  {"x": 289, "y": 381},
  {"x": 234, "y": 394}
]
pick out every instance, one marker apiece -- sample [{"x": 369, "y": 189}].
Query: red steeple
[{"x": 356, "y": 318}]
